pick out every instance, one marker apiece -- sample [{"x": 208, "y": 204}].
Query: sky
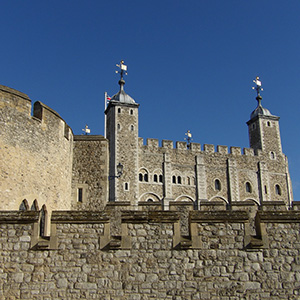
[{"x": 190, "y": 64}]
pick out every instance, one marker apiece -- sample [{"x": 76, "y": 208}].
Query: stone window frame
[
  {"x": 248, "y": 187},
  {"x": 272, "y": 155},
  {"x": 143, "y": 175},
  {"x": 278, "y": 190},
  {"x": 84, "y": 189},
  {"x": 218, "y": 185}
]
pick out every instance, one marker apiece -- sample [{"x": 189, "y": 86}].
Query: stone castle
[{"x": 88, "y": 216}]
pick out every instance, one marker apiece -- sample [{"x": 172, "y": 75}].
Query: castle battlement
[
  {"x": 15, "y": 105},
  {"x": 153, "y": 144},
  {"x": 37, "y": 156}
]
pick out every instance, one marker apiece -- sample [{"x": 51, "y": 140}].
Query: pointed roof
[
  {"x": 121, "y": 96},
  {"x": 260, "y": 110}
]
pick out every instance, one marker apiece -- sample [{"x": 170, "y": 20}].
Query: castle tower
[
  {"x": 122, "y": 133},
  {"x": 263, "y": 128}
]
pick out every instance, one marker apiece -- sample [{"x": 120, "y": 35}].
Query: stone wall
[
  {"x": 90, "y": 172},
  {"x": 151, "y": 258},
  {"x": 35, "y": 154},
  {"x": 196, "y": 170}
]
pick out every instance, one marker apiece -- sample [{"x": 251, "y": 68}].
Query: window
[
  {"x": 155, "y": 178},
  {"x": 150, "y": 200},
  {"x": 268, "y": 124},
  {"x": 79, "y": 195},
  {"x": 146, "y": 177},
  {"x": 277, "y": 190},
  {"x": 119, "y": 126},
  {"x": 174, "y": 179},
  {"x": 160, "y": 178},
  {"x": 272, "y": 155},
  {"x": 179, "y": 179},
  {"x": 119, "y": 110},
  {"x": 140, "y": 177},
  {"x": 266, "y": 191},
  {"x": 217, "y": 185},
  {"x": 131, "y": 111},
  {"x": 126, "y": 186},
  {"x": 248, "y": 187},
  {"x": 131, "y": 127}
]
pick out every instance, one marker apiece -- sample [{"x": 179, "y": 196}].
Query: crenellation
[
  {"x": 167, "y": 144},
  {"x": 181, "y": 146},
  {"x": 248, "y": 151},
  {"x": 195, "y": 147},
  {"x": 152, "y": 143},
  {"x": 208, "y": 148},
  {"x": 222, "y": 149},
  {"x": 235, "y": 151}
]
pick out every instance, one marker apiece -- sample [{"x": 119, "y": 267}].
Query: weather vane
[
  {"x": 258, "y": 87},
  {"x": 86, "y": 130},
  {"x": 123, "y": 69},
  {"x": 188, "y": 139}
]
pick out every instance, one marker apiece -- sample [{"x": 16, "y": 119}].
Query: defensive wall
[
  {"x": 36, "y": 154},
  {"x": 138, "y": 255},
  {"x": 211, "y": 173}
]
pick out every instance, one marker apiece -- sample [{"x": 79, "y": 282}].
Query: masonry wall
[
  {"x": 191, "y": 173},
  {"x": 90, "y": 172},
  {"x": 156, "y": 262},
  {"x": 36, "y": 154}
]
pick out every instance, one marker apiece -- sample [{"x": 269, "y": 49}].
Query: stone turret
[
  {"x": 122, "y": 133},
  {"x": 264, "y": 131}
]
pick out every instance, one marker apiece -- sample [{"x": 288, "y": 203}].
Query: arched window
[
  {"x": 160, "y": 178},
  {"x": 277, "y": 190},
  {"x": 272, "y": 155},
  {"x": 119, "y": 110},
  {"x": 155, "y": 178},
  {"x": 140, "y": 177},
  {"x": 150, "y": 200},
  {"x": 132, "y": 128},
  {"x": 248, "y": 187},
  {"x": 179, "y": 179},
  {"x": 146, "y": 177},
  {"x": 131, "y": 111},
  {"x": 174, "y": 179},
  {"x": 217, "y": 185}
]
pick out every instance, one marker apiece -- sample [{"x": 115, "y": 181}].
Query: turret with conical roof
[
  {"x": 122, "y": 133},
  {"x": 264, "y": 127}
]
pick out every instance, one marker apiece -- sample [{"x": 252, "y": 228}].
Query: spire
[
  {"x": 259, "y": 109},
  {"x": 121, "y": 96}
]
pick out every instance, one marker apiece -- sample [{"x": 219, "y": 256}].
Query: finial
[
  {"x": 86, "y": 130},
  {"x": 258, "y": 88},
  {"x": 123, "y": 70},
  {"x": 188, "y": 139}
]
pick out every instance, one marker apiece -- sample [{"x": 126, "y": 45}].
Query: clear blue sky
[{"x": 190, "y": 64}]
